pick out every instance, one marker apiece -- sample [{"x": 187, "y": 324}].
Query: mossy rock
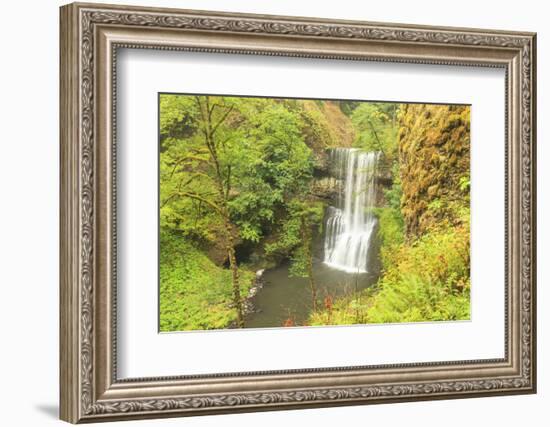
[{"x": 434, "y": 151}]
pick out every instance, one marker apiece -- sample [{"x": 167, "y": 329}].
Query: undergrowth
[{"x": 195, "y": 293}]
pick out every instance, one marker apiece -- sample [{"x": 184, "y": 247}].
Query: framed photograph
[{"x": 265, "y": 212}]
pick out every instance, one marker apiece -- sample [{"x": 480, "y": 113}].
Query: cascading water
[{"x": 350, "y": 224}]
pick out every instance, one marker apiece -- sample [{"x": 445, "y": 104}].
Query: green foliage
[
  {"x": 464, "y": 183},
  {"x": 261, "y": 155},
  {"x": 429, "y": 280},
  {"x": 394, "y": 194},
  {"x": 194, "y": 292},
  {"x": 348, "y": 310},
  {"x": 390, "y": 220},
  {"x": 435, "y": 205},
  {"x": 178, "y": 116},
  {"x": 295, "y": 238},
  {"x": 425, "y": 281},
  {"x": 377, "y": 127},
  {"x": 390, "y": 232},
  {"x": 279, "y": 164},
  {"x": 348, "y": 107}
]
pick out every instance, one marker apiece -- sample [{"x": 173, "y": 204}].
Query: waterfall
[{"x": 350, "y": 224}]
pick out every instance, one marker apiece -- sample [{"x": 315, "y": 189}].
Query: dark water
[{"x": 283, "y": 297}]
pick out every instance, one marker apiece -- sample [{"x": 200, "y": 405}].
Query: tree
[
  {"x": 275, "y": 165},
  {"x": 227, "y": 166},
  {"x": 377, "y": 128},
  {"x": 304, "y": 215},
  {"x": 205, "y": 172}
]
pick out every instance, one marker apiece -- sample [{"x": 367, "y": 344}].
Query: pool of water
[{"x": 283, "y": 297}]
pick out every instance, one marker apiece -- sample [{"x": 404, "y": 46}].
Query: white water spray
[{"x": 350, "y": 224}]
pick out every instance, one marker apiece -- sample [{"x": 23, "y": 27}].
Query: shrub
[{"x": 427, "y": 280}]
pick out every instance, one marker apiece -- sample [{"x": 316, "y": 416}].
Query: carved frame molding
[{"x": 90, "y": 36}]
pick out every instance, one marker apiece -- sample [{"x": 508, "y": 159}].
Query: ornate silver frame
[{"x": 90, "y": 36}]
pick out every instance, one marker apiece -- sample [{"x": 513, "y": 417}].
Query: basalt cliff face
[
  {"x": 325, "y": 126},
  {"x": 434, "y": 153}
]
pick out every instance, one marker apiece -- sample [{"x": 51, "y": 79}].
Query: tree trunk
[
  {"x": 307, "y": 241},
  {"x": 223, "y": 193},
  {"x": 312, "y": 282},
  {"x": 235, "y": 272}
]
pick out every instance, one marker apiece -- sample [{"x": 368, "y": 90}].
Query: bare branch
[
  {"x": 198, "y": 197},
  {"x": 228, "y": 186},
  {"x": 374, "y": 132},
  {"x": 186, "y": 160},
  {"x": 221, "y": 120}
]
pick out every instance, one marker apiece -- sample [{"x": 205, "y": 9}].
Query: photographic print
[{"x": 283, "y": 212}]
